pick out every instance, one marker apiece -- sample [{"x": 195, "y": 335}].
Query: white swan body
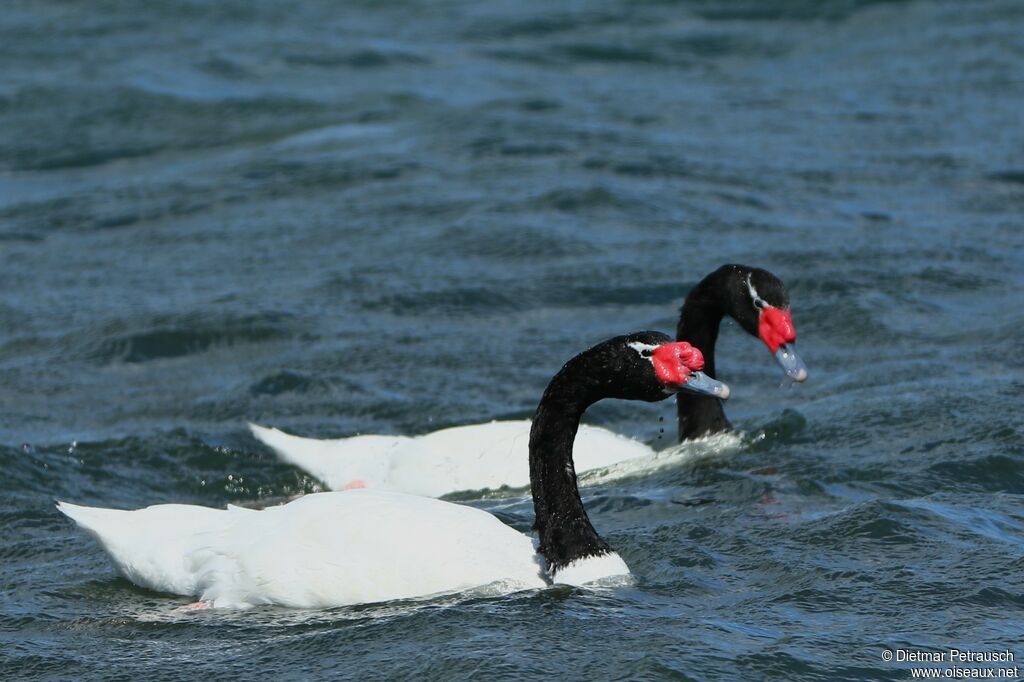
[
  {"x": 323, "y": 550},
  {"x": 475, "y": 457}
]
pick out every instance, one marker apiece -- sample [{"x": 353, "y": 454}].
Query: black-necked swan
[
  {"x": 493, "y": 455},
  {"x": 334, "y": 549}
]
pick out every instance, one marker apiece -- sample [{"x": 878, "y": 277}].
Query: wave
[{"x": 187, "y": 335}]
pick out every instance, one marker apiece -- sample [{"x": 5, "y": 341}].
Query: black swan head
[
  {"x": 646, "y": 366},
  {"x": 759, "y": 302}
]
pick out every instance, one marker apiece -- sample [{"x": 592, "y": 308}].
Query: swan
[
  {"x": 334, "y": 549},
  {"x": 493, "y": 455}
]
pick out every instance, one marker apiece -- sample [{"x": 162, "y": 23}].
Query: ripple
[
  {"x": 869, "y": 524},
  {"x": 125, "y": 122},
  {"x": 287, "y": 382},
  {"x": 993, "y": 472},
  {"x": 189, "y": 335},
  {"x": 983, "y": 523},
  {"x": 451, "y": 302},
  {"x": 356, "y": 59},
  {"x": 578, "y": 200},
  {"x": 1015, "y": 176}
]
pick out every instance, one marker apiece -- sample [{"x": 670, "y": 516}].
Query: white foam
[
  {"x": 689, "y": 451},
  {"x": 590, "y": 569}
]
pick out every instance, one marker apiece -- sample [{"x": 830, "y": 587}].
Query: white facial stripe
[
  {"x": 645, "y": 350},
  {"x": 754, "y": 297}
]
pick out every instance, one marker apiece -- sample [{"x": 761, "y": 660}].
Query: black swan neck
[
  {"x": 616, "y": 368},
  {"x": 699, "y": 321},
  {"x": 562, "y": 524}
]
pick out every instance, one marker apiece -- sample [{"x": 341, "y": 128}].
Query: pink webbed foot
[{"x": 356, "y": 484}]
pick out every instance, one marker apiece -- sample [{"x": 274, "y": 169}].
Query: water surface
[{"x": 392, "y": 217}]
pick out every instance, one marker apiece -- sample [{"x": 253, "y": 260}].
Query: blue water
[{"x": 390, "y": 217}]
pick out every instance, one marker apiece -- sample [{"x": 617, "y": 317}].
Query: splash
[{"x": 719, "y": 444}]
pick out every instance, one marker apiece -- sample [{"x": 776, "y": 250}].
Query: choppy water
[{"x": 395, "y": 216}]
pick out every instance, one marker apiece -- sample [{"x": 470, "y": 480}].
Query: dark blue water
[{"x": 389, "y": 217}]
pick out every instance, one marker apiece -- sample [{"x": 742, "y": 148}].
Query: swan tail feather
[
  {"x": 342, "y": 463},
  {"x": 100, "y": 523}
]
